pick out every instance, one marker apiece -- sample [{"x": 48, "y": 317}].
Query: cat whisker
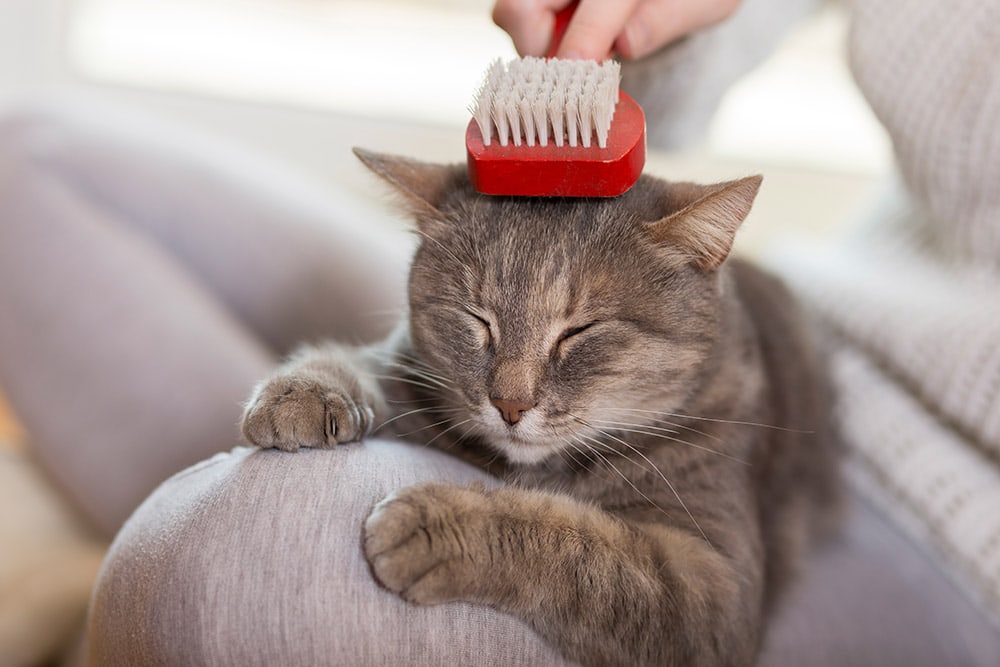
[
  {"x": 717, "y": 420},
  {"x": 642, "y": 430},
  {"x": 662, "y": 420},
  {"x": 659, "y": 472},
  {"x": 583, "y": 441},
  {"x": 416, "y": 383},
  {"x": 415, "y": 411},
  {"x": 412, "y": 365},
  {"x": 418, "y": 368},
  {"x": 453, "y": 426},
  {"x": 437, "y": 380},
  {"x": 424, "y": 428}
]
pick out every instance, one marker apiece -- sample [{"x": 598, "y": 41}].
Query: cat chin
[
  {"x": 528, "y": 443},
  {"x": 520, "y": 453}
]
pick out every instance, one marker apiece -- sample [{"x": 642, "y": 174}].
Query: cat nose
[{"x": 511, "y": 411}]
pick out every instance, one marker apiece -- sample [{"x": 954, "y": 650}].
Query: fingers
[
  {"x": 595, "y": 27},
  {"x": 655, "y": 23},
  {"x": 633, "y": 28},
  {"x": 528, "y": 22}
]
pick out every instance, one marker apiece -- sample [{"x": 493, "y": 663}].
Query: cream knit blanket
[{"x": 914, "y": 296}]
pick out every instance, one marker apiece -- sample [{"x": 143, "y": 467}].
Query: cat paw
[
  {"x": 291, "y": 411},
  {"x": 420, "y": 544}
]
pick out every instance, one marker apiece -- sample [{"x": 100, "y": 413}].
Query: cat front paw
[
  {"x": 421, "y": 542},
  {"x": 290, "y": 411}
]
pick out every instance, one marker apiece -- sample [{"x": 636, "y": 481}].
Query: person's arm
[{"x": 631, "y": 28}]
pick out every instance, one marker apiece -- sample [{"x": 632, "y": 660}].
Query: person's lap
[{"x": 254, "y": 557}]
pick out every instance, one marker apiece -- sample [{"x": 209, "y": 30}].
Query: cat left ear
[
  {"x": 422, "y": 184},
  {"x": 703, "y": 230}
]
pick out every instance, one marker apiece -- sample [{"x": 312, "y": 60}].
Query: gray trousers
[{"x": 254, "y": 558}]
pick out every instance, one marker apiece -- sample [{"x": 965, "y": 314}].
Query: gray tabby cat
[{"x": 658, "y": 412}]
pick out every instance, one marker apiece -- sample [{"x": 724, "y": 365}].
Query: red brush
[{"x": 555, "y": 128}]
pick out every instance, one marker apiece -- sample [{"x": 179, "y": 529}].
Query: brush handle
[{"x": 563, "y": 17}]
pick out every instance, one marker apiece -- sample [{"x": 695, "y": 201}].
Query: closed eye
[
  {"x": 566, "y": 337},
  {"x": 487, "y": 328},
  {"x": 569, "y": 333}
]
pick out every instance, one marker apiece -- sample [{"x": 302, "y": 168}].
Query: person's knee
[
  {"x": 151, "y": 593},
  {"x": 254, "y": 553}
]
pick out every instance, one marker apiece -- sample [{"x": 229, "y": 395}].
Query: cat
[{"x": 657, "y": 409}]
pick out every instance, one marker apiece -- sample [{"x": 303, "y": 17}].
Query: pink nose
[{"x": 511, "y": 411}]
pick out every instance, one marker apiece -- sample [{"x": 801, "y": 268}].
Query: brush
[{"x": 547, "y": 127}]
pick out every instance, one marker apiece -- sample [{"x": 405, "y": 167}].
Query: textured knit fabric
[
  {"x": 944, "y": 491},
  {"x": 914, "y": 295},
  {"x": 931, "y": 72}
]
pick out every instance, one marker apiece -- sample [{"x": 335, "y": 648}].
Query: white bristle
[
  {"x": 572, "y": 116},
  {"x": 527, "y": 120},
  {"x": 513, "y": 114},
  {"x": 556, "y": 111},
  {"x": 539, "y": 112},
  {"x": 534, "y": 100}
]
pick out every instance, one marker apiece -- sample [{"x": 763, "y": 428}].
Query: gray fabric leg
[
  {"x": 144, "y": 288},
  {"x": 284, "y": 255},
  {"x": 254, "y": 558},
  {"x": 123, "y": 369}
]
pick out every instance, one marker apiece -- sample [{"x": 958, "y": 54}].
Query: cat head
[{"x": 554, "y": 319}]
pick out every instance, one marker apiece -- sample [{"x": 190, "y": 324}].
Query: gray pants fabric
[
  {"x": 149, "y": 277},
  {"x": 254, "y": 558}
]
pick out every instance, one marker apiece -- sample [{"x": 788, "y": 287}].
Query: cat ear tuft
[
  {"x": 704, "y": 229},
  {"x": 423, "y": 185}
]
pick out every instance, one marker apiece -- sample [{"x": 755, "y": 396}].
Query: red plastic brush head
[
  {"x": 562, "y": 171},
  {"x": 555, "y": 128}
]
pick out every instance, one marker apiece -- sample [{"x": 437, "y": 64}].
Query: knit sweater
[{"x": 913, "y": 296}]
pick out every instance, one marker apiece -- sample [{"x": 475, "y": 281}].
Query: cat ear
[
  {"x": 703, "y": 230},
  {"x": 423, "y": 185}
]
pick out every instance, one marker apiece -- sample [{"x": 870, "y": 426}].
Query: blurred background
[
  {"x": 306, "y": 79},
  {"x": 302, "y": 81}
]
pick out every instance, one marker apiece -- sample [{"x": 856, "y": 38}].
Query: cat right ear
[
  {"x": 422, "y": 185},
  {"x": 704, "y": 229}
]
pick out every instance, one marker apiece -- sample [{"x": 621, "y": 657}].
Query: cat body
[{"x": 658, "y": 413}]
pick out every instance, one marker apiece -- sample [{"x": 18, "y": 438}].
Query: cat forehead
[{"x": 523, "y": 224}]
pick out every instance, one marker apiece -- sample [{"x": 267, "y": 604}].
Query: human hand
[{"x": 631, "y": 28}]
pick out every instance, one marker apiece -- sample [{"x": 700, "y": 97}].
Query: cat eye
[
  {"x": 487, "y": 328},
  {"x": 570, "y": 333}
]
